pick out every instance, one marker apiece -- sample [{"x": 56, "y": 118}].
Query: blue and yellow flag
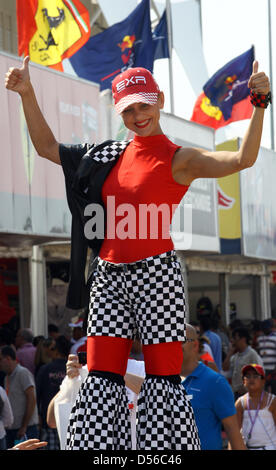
[{"x": 123, "y": 45}]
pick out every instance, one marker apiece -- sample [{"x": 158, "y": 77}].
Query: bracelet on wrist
[{"x": 260, "y": 100}]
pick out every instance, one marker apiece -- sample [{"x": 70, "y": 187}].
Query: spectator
[
  {"x": 44, "y": 353},
  {"x": 240, "y": 354},
  {"x": 256, "y": 331},
  {"x": 133, "y": 378},
  {"x": 225, "y": 343},
  {"x": 211, "y": 398},
  {"x": 48, "y": 382},
  {"x": 6, "y": 417},
  {"x": 256, "y": 410},
  {"x": 49, "y": 345},
  {"x": 196, "y": 326},
  {"x": 204, "y": 341},
  {"x": 204, "y": 307},
  {"x": 25, "y": 350},
  {"x": 78, "y": 336},
  {"x": 20, "y": 388},
  {"x": 204, "y": 356},
  {"x": 53, "y": 331},
  {"x": 266, "y": 346},
  {"x": 37, "y": 340},
  {"x": 6, "y": 339},
  {"x": 237, "y": 323},
  {"x": 215, "y": 341}
]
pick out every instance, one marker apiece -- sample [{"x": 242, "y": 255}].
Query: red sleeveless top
[{"x": 140, "y": 196}]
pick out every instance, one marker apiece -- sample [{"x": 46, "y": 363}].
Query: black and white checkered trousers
[
  {"x": 165, "y": 417},
  {"x": 100, "y": 418},
  {"x": 147, "y": 295}
]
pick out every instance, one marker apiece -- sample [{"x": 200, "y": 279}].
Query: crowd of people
[
  {"x": 229, "y": 375},
  {"x": 31, "y": 372},
  {"x": 137, "y": 287}
]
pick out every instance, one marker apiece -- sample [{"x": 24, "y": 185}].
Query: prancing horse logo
[
  {"x": 54, "y": 22},
  {"x": 62, "y": 27}
]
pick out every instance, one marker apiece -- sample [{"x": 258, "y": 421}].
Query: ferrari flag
[{"x": 51, "y": 30}]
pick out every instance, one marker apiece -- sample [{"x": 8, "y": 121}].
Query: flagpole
[
  {"x": 271, "y": 76},
  {"x": 169, "y": 24}
]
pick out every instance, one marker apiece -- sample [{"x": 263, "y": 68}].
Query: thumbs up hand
[
  {"x": 18, "y": 79},
  {"x": 258, "y": 82}
]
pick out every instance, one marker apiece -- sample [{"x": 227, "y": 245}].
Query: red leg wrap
[
  {"x": 163, "y": 358},
  {"x": 107, "y": 353}
]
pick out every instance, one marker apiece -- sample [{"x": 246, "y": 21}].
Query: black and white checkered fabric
[
  {"x": 110, "y": 152},
  {"x": 148, "y": 295},
  {"x": 100, "y": 418},
  {"x": 165, "y": 417}
]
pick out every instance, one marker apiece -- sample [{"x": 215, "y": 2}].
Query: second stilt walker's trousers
[{"x": 145, "y": 297}]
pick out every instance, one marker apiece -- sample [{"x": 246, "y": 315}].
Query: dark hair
[
  {"x": 63, "y": 345},
  {"x": 215, "y": 323},
  {"x": 6, "y": 336},
  {"x": 267, "y": 324},
  {"x": 256, "y": 325},
  {"x": 204, "y": 306},
  {"x": 8, "y": 351},
  {"x": 243, "y": 333},
  {"x": 205, "y": 323},
  {"x": 38, "y": 339},
  {"x": 48, "y": 341},
  {"x": 52, "y": 328},
  {"x": 235, "y": 324}
]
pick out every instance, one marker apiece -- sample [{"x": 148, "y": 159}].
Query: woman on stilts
[{"x": 136, "y": 283}]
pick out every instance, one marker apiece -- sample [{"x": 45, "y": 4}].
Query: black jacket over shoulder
[{"x": 85, "y": 169}]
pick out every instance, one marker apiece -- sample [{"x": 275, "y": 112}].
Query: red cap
[
  {"x": 255, "y": 367},
  {"x": 135, "y": 85}
]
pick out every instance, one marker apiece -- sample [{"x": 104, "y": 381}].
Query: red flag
[
  {"x": 51, "y": 31},
  {"x": 208, "y": 115}
]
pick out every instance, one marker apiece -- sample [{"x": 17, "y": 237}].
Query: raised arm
[
  {"x": 191, "y": 163},
  {"x": 18, "y": 80}
]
